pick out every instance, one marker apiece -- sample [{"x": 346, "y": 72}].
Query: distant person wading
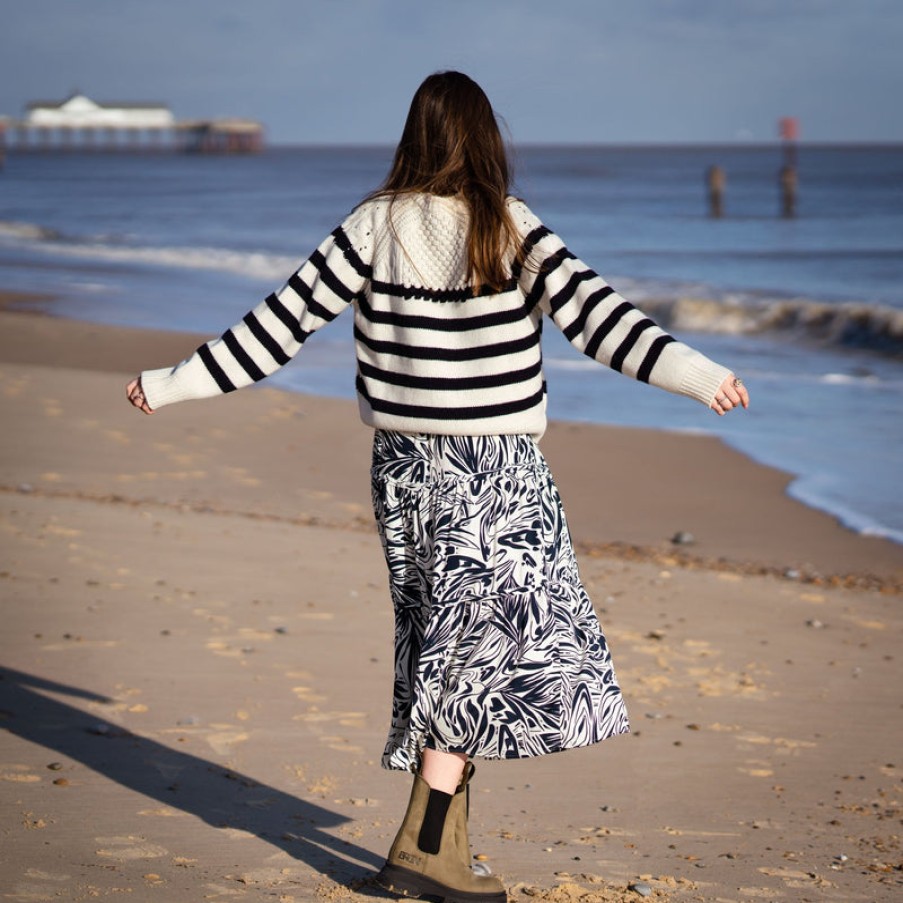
[{"x": 498, "y": 652}]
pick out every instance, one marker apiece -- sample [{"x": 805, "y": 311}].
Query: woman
[{"x": 498, "y": 651}]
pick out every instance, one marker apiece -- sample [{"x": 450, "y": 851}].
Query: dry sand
[{"x": 196, "y": 660}]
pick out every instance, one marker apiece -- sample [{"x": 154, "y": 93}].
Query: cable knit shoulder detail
[{"x": 421, "y": 241}]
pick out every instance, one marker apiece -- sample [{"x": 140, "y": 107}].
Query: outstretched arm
[
  {"x": 270, "y": 335},
  {"x": 601, "y": 324}
]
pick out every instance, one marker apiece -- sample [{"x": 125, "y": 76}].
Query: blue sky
[{"x": 614, "y": 71}]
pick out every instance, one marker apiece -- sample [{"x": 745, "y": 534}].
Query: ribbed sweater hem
[{"x": 703, "y": 382}]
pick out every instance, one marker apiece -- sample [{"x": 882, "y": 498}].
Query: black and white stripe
[{"x": 438, "y": 358}]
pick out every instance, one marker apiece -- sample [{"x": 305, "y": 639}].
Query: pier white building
[{"x": 80, "y": 123}]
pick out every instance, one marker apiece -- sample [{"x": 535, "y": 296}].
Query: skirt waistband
[{"x": 424, "y": 457}]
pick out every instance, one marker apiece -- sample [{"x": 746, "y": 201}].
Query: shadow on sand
[{"x": 219, "y": 796}]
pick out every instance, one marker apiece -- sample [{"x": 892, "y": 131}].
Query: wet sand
[{"x": 196, "y": 659}]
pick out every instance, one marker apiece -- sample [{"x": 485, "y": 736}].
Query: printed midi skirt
[{"x": 498, "y": 652}]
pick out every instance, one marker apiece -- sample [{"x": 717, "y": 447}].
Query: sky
[{"x": 568, "y": 71}]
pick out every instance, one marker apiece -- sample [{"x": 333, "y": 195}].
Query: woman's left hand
[
  {"x": 731, "y": 394},
  {"x": 135, "y": 394}
]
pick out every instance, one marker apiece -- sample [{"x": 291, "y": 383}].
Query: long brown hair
[{"x": 451, "y": 146}]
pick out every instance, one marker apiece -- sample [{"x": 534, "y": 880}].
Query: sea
[{"x": 808, "y": 310}]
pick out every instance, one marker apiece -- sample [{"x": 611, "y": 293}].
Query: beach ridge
[{"x": 660, "y": 555}]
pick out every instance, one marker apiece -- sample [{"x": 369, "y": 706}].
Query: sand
[{"x": 196, "y": 659}]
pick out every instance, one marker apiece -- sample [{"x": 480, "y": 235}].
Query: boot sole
[{"x": 400, "y": 880}]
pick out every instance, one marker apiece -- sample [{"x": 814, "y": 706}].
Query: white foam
[
  {"x": 846, "y": 379},
  {"x": 255, "y": 264},
  {"x": 29, "y": 231}
]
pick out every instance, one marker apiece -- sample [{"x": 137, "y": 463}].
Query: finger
[
  {"x": 137, "y": 398},
  {"x": 736, "y": 391},
  {"x": 738, "y": 396},
  {"x": 733, "y": 396},
  {"x": 130, "y": 388}
]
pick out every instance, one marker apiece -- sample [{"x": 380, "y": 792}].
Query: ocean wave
[
  {"x": 27, "y": 231},
  {"x": 114, "y": 249},
  {"x": 859, "y": 325}
]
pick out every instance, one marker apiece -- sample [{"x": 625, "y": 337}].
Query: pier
[{"x": 81, "y": 124}]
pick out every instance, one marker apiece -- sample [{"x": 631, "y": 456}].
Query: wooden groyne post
[
  {"x": 716, "y": 182},
  {"x": 788, "y": 181}
]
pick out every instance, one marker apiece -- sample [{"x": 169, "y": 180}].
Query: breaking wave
[
  {"x": 856, "y": 325},
  {"x": 859, "y": 325},
  {"x": 27, "y": 231},
  {"x": 254, "y": 264}
]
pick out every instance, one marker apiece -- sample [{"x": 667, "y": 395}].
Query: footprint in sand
[
  {"x": 240, "y": 475},
  {"x": 795, "y": 878},
  {"x": 36, "y": 886},
  {"x": 783, "y": 745},
  {"x": 18, "y": 774},
  {"x": 341, "y": 744},
  {"x": 758, "y": 893},
  {"x": 176, "y": 475},
  {"x": 167, "y": 771},
  {"x": 346, "y": 719},
  {"x": 118, "y": 436},
  {"x": 272, "y": 876},
  {"x": 222, "y": 741},
  {"x": 128, "y": 848},
  {"x": 13, "y": 388},
  {"x": 162, "y": 812},
  {"x": 60, "y": 530},
  {"x": 307, "y": 694}
]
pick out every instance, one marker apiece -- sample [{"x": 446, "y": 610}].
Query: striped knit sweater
[{"x": 432, "y": 357}]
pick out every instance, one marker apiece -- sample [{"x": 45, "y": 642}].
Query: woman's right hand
[
  {"x": 731, "y": 394},
  {"x": 135, "y": 395}
]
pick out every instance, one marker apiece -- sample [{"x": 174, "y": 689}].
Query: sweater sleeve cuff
[
  {"x": 702, "y": 383},
  {"x": 161, "y": 387}
]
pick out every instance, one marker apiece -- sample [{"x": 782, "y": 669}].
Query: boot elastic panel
[{"x": 430, "y": 837}]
